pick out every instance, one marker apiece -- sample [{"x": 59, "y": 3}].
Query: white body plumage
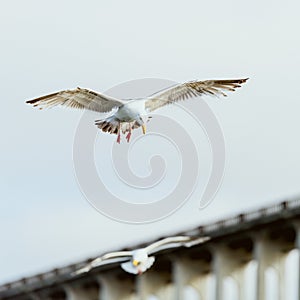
[{"x": 131, "y": 111}]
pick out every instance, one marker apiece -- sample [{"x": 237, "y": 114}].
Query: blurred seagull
[
  {"x": 131, "y": 114},
  {"x": 139, "y": 260}
]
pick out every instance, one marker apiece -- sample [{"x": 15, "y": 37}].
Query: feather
[
  {"x": 78, "y": 98},
  {"x": 192, "y": 89}
]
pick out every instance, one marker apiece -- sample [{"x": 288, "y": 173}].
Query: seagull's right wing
[
  {"x": 175, "y": 242},
  {"x": 78, "y": 98},
  {"x": 122, "y": 255},
  {"x": 192, "y": 89}
]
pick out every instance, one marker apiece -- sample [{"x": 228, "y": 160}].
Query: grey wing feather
[
  {"x": 99, "y": 260},
  {"x": 174, "y": 242},
  {"x": 78, "y": 98},
  {"x": 192, "y": 89}
]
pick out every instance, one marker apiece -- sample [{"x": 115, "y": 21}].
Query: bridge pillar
[
  {"x": 155, "y": 283},
  {"x": 116, "y": 288},
  {"x": 297, "y": 246},
  {"x": 82, "y": 292},
  {"x": 269, "y": 254},
  {"x": 231, "y": 263},
  {"x": 190, "y": 273}
]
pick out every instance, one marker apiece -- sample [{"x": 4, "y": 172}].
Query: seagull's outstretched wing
[
  {"x": 122, "y": 255},
  {"x": 175, "y": 242},
  {"x": 78, "y": 98},
  {"x": 192, "y": 89}
]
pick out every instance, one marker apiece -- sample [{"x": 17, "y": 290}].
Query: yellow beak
[
  {"x": 144, "y": 128},
  {"x": 135, "y": 263}
]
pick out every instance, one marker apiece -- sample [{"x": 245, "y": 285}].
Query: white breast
[{"x": 131, "y": 110}]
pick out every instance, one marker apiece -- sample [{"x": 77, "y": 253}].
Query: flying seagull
[
  {"x": 139, "y": 260},
  {"x": 131, "y": 114}
]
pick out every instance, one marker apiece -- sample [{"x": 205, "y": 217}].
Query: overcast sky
[{"x": 45, "y": 221}]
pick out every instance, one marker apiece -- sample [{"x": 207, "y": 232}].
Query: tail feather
[{"x": 111, "y": 126}]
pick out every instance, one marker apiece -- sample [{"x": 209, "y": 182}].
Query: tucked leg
[
  {"x": 119, "y": 133},
  {"x": 129, "y": 134}
]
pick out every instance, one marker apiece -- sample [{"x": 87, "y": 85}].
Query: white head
[
  {"x": 139, "y": 263},
  {"x": 143, "y": 120}
]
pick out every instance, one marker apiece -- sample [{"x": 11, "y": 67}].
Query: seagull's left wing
[
  {"x": 192, "y": 89},
  {"x": 78, "y": 98},
  {"x": 121, "y": 255},
  {"x": 175, "y": 242}
]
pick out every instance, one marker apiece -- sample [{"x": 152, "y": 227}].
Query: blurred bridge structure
[{"x": 253, "y": 255}]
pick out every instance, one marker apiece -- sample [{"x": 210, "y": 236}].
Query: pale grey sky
[{"x": 45, "y": 221}]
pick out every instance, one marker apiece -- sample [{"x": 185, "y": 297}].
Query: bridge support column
[
  {"x": 297, "y": 244},
  {"x": 155, "y": 283},
  {"x": 269, "y": 254},
  {"x": 114, "y": 288},
  {"x": 190, "y": 273},
  {"x": 82, "y": 292},
  {"x": 230, "y": 263}
]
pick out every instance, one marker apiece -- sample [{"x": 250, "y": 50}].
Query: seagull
[
  {"x": 127, "y": 115},
  {"x": 139, "y": 260}
]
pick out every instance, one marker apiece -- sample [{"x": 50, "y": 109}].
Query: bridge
[{"x": 253, "y": 255}]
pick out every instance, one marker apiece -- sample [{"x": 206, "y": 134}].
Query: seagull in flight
[
  {"x": 140, "y": 260},
  {"x": 127, "y": 115}
]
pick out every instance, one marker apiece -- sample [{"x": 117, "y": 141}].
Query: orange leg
[
  {"x": 129, "y": 134},
  {"x": 119, "y": 133}
]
